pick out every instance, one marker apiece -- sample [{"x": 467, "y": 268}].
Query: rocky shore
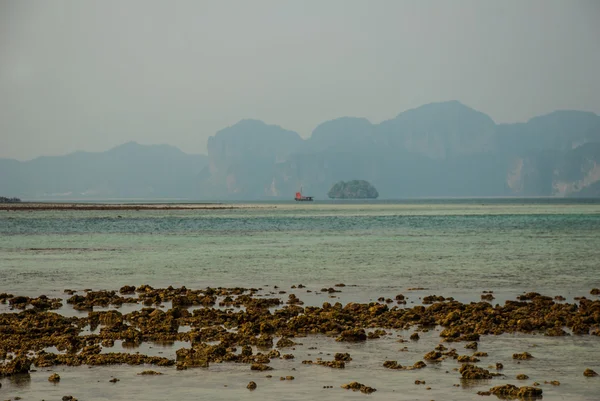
[{"x": 254, "y": 326}]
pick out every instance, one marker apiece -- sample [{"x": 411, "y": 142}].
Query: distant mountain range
[
  {"x": 127, "y": 171},
  {"x": 437, "y": 150}
]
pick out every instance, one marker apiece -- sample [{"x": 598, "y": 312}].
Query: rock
[
  {"x": 356, "y": 386},
  {"x": 414, "y": 336},
  {"x": 251, "y": 386},
  {"x": 529, "y": 296},
  {"x": 471, "y": 345},
  {"x": 352, "y": 335},
  {"x": 127, "y": 289},
  {"x": 419, "y": 365},
  {"x": 553, "y": 382},
  {"x": 392, "y": 365},
  {"x": 262, "y": 358},
  {"x": 342, "y": 357},
  {"x": 474, "y": 372},
  {"x": 522, "y": 377},
  {"x": 522, "y": 356},
  {"x": 590, "y": 373},
  {"x": 149, "y": 373},
  {"x": 285, "y": 342},
  {"x": 332, "y": 364},
  {"x": 290, "y": 378},
  {"x": 17, "y": 365},
  {"x": 367, "y": 390},
  {"x": 419, "y": 381},
  {"x": 273, "y": 354},
  {"x": 484, "y": 393},
  {"x": 352, "y": 386},
  {"x": 499, "y": 366},
  {"x": 429, "y": 299},
  {"x": 19, "y": 301},
  {"x": 451, "y": 354},
  {"x": 595, "y": 291},
  {"x": 512, "y": 391},
  {"x": 372, "y": 335},
  {"x": 264, "y": 341},
  {"x": 467, "y": 359},
  {"x": 294, "y": 300},
  {"x": 433, "y": 356},
  {"x": 191, "y": 358},
  {"x": 556, "y": 332},
  {"x": 114, "y": 380},
  {"x": 580, "y": 329},
  {"x": 260, "y": 367},
  {"x": 529, "y": 392},
  {"x": 54, "y": 378}
]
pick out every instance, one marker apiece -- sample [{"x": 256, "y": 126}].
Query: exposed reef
[{"x": 245, "y": 326}]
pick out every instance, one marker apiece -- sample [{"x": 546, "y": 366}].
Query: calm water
[{"x": 452, "y": 248}]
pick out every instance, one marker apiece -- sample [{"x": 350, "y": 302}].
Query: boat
[{"x": 301, "y": 198}]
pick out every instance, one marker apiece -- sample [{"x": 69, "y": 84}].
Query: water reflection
[
  {"x": 470, "y": 383},
  {"x": 22, "y": 381}
]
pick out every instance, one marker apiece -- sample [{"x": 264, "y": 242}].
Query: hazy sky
[{"x": 89, "y": 75}]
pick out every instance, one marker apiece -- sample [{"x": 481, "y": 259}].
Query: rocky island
[
  {"x": 4, "y": 199},
  {"x": 355, "y": 189}
]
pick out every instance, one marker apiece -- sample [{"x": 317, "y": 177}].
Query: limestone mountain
[
  {"x": 439, "y": 149},
  {"x": 439, "y": 131},
  {"x": 242, "y": 159}
]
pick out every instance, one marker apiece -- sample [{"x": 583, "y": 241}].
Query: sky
[{"x": 90, "y": 75}]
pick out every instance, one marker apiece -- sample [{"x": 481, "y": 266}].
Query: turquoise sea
[{"x": 448, "y": 247}]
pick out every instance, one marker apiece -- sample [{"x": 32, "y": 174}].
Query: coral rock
[{"x": 54, "y": 378}]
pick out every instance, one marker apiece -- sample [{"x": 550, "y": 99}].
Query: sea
[{"x": 451, "y": 247}]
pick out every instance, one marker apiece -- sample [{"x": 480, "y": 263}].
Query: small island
[
  {"x": 4, "y": 199},
  {"x": 355, "y": 189}
]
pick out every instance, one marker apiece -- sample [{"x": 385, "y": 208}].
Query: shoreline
[{"x": 40, "y": 206}]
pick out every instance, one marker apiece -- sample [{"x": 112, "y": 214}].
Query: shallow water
[{"x": 453, "y": 248}]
